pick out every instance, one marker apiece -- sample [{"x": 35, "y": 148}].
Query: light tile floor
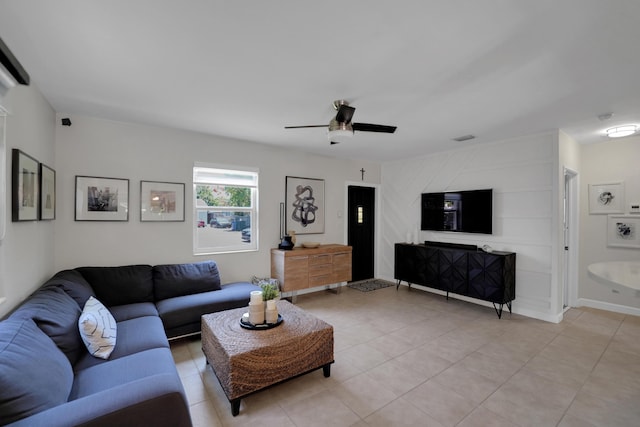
[{"x": 412, "y": 358}]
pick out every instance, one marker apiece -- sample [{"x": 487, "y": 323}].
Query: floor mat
[{"x": 370, "y": 285}]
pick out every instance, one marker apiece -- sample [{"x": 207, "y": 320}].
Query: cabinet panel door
[
  {"x": 410, "y": 263},
  {"x": 432, "y": 266},
  {"x": 342, "y": 267},
  {"x": 296, "y": 273},
  {"x": 453, "y": 271},
  {"x": 486, "y": 279}
]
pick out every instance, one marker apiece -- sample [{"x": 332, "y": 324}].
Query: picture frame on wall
[
  {"x": 305, "y": 204},
  {"x": 24, "y": 187},
  {"x": 47, "y": 193},
  {"x": 101, "y": 199},
  {"x": 623, "y": 231},
  {"x": 161, "y": 201},
  {"x": 606, "y": 198}
]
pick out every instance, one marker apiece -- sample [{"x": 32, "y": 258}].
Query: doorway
[
  {"x": 361, "y": 203},
  {"x": 570, "y": 234}
]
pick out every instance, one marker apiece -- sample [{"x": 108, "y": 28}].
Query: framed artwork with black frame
[
  {"x": 101, "y": 199},
  {"x": 304, "y": 205},
  {"x": 47, "y": 193},
  {"x": 161, "y": 201},
  {"x": 24, "y": 187}
]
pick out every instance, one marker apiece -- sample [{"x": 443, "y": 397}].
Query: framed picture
[
  {"x": 47, "y": 193},
  {"x": 304, "y": 210},
  {"x": 623, "y": 231},
  {"x": 606, "y": 198},
  {"x": 161, "y": 201},
  {"x": 24, "y": 187},
  {"x": 102, "y": 199}
]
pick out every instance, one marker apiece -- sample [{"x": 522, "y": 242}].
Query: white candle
[{"x": 256, "y": 296}]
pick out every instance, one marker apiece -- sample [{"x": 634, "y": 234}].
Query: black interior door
[{"x": 361, "y": 231}]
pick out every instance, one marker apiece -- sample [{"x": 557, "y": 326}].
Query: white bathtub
[{"x": 621, "y": 275}]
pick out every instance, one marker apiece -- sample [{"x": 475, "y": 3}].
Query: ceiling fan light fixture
[
  {"x": 339, "y": 135},
  {"x": 620, "y": 131},
  {"x": 339, "y": 131}
]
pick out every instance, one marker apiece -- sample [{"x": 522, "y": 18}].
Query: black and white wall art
[
  {"x": 304, "y": 205},
  {"x": 606, "y": 198}
]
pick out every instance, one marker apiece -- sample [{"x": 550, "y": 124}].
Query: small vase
[{"x": 293, "y": 237}]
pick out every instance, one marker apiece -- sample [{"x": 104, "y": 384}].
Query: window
[{"x": 225, "y": 210}]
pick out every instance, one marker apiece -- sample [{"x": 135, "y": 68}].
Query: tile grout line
[{"x": 595, "y": 365}]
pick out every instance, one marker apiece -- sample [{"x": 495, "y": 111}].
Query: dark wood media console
[{"x": 459, "y": 269}]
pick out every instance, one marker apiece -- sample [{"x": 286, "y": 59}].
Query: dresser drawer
[
  {"x": 320, "y": 270},
  {"x": 320, "y": 259},
  {"x": 324, "y": 279}
]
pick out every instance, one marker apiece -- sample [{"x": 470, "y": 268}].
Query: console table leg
[
  {"x": 397, "y": 284},
  {"x": 499, "y": 312},
  {"x": 235, "y": 407},
  {"x": 326, "y": 370}
]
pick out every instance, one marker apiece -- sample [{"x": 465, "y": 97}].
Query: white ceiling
[{"x": 245, "y": 69}]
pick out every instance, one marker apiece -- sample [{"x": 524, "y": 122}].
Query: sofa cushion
[
  {"x": 56, "y": 314},
  {"x": 98, "y": 329},
  {"x": 134, "y": 336},
  {"x": 172, "y": 280},
  {"x": 122, "y": 371},
  {"x": 187, "y": 310},
  {"x": 73, "y": 284},
  {"x": 35, "y": 375},
  {"x": 131, "y": 311},
  {"x": 120, "y": 285}
]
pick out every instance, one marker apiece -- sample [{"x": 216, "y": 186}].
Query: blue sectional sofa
[{"x": 49, "y": 378}]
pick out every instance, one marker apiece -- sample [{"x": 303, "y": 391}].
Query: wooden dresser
[{"x": 303, "y": 268}]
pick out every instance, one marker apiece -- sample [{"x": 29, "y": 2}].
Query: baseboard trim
[
  {"x": 584, "y": 302},
  {"x": 516, "y": 310}
]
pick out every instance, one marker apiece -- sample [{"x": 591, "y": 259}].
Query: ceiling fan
[{"x": 340, "y": 126}]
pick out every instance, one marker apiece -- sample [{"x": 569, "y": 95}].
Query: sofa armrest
[{"x": 157, "y": 400}]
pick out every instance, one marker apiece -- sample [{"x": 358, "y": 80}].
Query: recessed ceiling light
[{"x": 620, "y": 131}]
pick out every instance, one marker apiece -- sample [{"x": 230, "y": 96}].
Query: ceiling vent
[
  {"x": 464, "y": 138},
  {"x": 11, "y": 72}
]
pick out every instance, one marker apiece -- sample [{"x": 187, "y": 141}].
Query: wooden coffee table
[{"x": 246, "y": 361}]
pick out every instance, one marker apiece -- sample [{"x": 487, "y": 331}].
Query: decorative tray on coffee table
[{"x": 248, "y": 325}]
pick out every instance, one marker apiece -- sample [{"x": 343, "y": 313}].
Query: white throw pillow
[{"x": 97, "y": 329}]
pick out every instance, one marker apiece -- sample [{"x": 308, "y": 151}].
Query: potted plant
[{"x": 270, "y": 292}]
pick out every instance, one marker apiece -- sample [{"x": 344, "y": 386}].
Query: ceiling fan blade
[
  {"x": 345, "y": 113},
  {"x": 306, "y": 126},
  {"x": 368, "y": 127}
]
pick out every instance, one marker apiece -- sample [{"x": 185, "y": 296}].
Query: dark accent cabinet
[{"x": 488, "y": 276}]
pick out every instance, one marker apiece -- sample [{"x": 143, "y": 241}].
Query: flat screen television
[{"x": 461, "y": 211}]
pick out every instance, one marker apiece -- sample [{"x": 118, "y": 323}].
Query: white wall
[
  {"x": 523, "y": 175},
  {"x": 97, "y": 147},
  {"x": 611, "y": 161},
  {"x": 26, "y": 253}
]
